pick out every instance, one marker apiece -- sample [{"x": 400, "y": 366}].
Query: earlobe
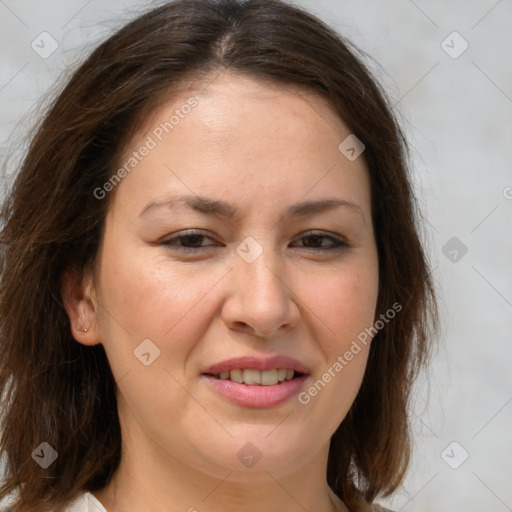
[{"x": 79, "y": 301}]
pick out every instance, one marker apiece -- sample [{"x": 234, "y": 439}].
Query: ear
[{"x": 79, "y": 300}]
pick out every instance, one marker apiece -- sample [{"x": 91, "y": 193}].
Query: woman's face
[{"x": 239, "y": 240}]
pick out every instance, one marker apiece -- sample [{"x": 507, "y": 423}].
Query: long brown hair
[{"x": 58, "y": 391}]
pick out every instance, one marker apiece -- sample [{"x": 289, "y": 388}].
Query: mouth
[
  {"x": 255, "y": 377},
  {"x": 256, "y": 382}
]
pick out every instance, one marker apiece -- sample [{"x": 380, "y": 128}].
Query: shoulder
[
  {"x": 85, "y": 502},
  {"x": 79, "y": 504},
  {"x": 373, "y": 508}
]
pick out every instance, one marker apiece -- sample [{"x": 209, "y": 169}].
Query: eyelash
[{"x": 338, "y": 244}]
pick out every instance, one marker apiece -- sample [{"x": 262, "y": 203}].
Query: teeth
[
  {"x": 269, "y": 378},
  {"x": 253, "y": 377},
  {"x": 236, "y": 376}
]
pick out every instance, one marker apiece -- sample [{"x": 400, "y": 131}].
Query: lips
[
  {"x": 256, "y": 382},
  {"x": 257, "y": 363}
]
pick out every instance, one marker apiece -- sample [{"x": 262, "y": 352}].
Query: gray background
[{"x": 457, "y": 114}]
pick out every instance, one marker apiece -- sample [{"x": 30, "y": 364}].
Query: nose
[{"x": 259, "y": 300}]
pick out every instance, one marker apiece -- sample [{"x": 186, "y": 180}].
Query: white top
[{"x": 86, "y": 502}]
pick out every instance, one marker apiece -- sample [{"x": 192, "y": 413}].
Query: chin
[{"x": 256, "y": 449}]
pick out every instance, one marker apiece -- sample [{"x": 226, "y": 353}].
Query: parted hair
[{"x": 56, "y": 390}]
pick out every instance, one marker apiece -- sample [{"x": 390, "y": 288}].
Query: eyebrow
[{"x": 221, "y": 208}]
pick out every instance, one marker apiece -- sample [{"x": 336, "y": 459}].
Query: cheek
[
  {"x": 151, "y": 295},
  {"x": 344, "y": 303},
  {"x": 143, "y": 296}
]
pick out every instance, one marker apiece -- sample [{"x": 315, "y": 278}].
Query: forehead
[
  {"x": 226, "y": 102},
  {"x": 231, "y": 99},
  {"x": 232, "y": 134}
]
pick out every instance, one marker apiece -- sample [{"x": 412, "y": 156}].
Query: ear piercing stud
[{"x": 83, "y": 329}]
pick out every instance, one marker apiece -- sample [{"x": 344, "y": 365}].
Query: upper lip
[{"x": 257, "y": 363}]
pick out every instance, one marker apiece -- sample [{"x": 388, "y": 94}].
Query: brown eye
[
  {"x": 316, "y": 240},
  {"x": 188, "y": 241}
]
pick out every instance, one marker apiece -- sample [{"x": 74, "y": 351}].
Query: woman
[{"x": 214, "y": 295}]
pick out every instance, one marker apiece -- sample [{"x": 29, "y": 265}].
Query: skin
[{"x": 262, "y": 148}]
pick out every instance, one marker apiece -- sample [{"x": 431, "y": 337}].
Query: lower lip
[{"x": 260, "y": 397}]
